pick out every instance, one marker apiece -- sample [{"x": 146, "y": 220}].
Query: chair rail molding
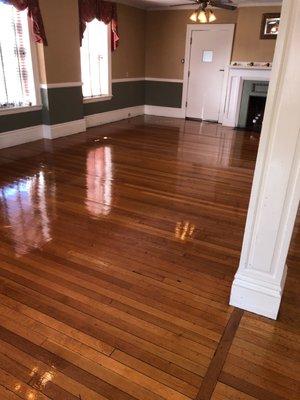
[{"x": 260, "y": 279}]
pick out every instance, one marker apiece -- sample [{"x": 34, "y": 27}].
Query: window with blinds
[
  {"x": 17, "y": 86},
  {"x": 95, "y": 60}
]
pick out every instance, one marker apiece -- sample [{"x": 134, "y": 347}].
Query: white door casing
[{"x": 208, "y": 53}]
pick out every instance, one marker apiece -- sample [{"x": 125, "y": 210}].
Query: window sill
[
  {"x": 18, "y": 110},
  {"x": 97, "y": 98}
]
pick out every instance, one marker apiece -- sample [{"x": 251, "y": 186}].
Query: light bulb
[
  {"x": 202, "y": 17},
  {"x": 194, "y": 16},
  {"x": 211, "y": 16}
]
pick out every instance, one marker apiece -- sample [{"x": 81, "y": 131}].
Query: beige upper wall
[
  {"x": 166, "y": 35},
  {"x": 62, "y": 55},
  {"x": 60, "y": 60},
  {"x": 165, "y": 40},
  {"x": 247, "y": 44},
  {"x": 152, "y": 43},
  {"x": 128, "y": 61}
]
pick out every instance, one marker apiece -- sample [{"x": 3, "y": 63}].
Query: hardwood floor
[
  {"x": 264, "y": 360},
  {"x": 117, "y": 252}
]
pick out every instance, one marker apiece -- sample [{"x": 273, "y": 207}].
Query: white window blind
[
  {"x": 17, "y": 87},
  {"x": 94, "y": 60}
]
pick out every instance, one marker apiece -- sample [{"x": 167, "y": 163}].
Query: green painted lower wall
[
  {"x": 125, "y": 94},
  {"x": 65, "y": 104},
  {"x": 13, "y": 122},
  {"x": 163, "y": 94},
  {"x": 136, "y": 93},
  {"x": 62, "y": 104}
]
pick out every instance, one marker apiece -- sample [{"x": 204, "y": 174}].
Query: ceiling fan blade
[
  {"x": 220, "y": 4},
  {"x": 214, "y": 3},
  {"x": 192, "y": 3}
]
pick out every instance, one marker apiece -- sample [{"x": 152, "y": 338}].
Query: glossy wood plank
[{"x": 224, "y": 392}]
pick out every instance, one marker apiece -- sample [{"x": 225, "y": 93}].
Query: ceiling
[{"x": 165, "y": 3}]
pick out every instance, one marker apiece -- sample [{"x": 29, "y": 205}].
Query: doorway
[{"x": 208, "y": 53}]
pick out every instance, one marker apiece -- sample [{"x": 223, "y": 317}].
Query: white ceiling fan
[
  {"x": 204, "y": 12},
  {"x": 226, "y": 4}
]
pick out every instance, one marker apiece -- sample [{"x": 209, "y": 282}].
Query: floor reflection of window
[
  {"x": 99, "y": 180},
  {"x": 25, "y": 212}
]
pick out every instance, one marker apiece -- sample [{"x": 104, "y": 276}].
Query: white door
[{"x": 210, "y": 52}]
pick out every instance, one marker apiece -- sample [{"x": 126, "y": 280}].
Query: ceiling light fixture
[
  {"x": 202, "y": 14},
  {"x": 202, "y": 17},
  {"x": 194, "y": 16},
  {"x": 211, "y": 16}
]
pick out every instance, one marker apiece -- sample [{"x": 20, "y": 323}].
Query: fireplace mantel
[{"x": 236, "y": 75}]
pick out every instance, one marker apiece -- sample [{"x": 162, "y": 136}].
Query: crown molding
[{"x": 133, "y": 4}]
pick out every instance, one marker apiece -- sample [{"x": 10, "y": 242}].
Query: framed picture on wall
[{"x": 270, "y": 26}]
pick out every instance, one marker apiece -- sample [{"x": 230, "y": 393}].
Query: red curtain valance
[
  {"x": 34, "y": 13},
  {"x": 104, "y": 11}
]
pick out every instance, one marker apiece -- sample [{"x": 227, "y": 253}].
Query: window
[
  {"x": 207, "y": 56},
  {"x": 95, "y": 60},
  {"x": 17, "y": 86}
]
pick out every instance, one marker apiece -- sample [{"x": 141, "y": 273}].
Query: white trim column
[{"x": 260, "y": 279}]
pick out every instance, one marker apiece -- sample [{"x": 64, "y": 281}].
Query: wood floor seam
[{"x": 216, "y": 365}]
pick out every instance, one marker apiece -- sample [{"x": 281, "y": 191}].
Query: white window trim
[
  {"x": 109, "y": 61},
  {"x": 108, "y": 96},
  {"x": 18, "y": 110},
  {"x": 35, "y": 69},
  {"x": 95, "y": 99},
  {"x": 35, "y": 66}
]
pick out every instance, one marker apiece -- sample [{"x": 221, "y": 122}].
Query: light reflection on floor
[
  {"x": 184, "y": 230},
  {"x": 99, "y": 181},
  {"x": 25, "y": 212},
  {"x": 37, "y": 383}
]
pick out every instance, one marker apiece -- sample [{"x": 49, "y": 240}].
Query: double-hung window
[
  {"x": 95, "y": 60},
  {"x": 17, "y": 84}
]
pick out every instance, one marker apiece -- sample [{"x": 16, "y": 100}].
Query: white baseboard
[
  {"x": 64, "y": 129},
  {"x": 257, "y": 296},
  {"x": 113, "y": 116},
  {"x": 20, "y": 136},
  {"x": 33, "y": 133},
  {"x": 165, "y": 111}
]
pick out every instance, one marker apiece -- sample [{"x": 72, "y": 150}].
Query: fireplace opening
[
  {"x": 255, "y": 114},
  {"x": 252, "y": 106}
]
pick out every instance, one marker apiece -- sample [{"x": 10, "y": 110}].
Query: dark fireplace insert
[
  {"x": 255, "y": 115},
  {"x": 253, "y": 102}
]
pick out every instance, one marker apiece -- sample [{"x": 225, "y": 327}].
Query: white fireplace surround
[{"x": 233, "y": 87}]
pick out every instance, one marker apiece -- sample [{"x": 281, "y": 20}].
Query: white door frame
[{"x": 202, "y": 27}]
